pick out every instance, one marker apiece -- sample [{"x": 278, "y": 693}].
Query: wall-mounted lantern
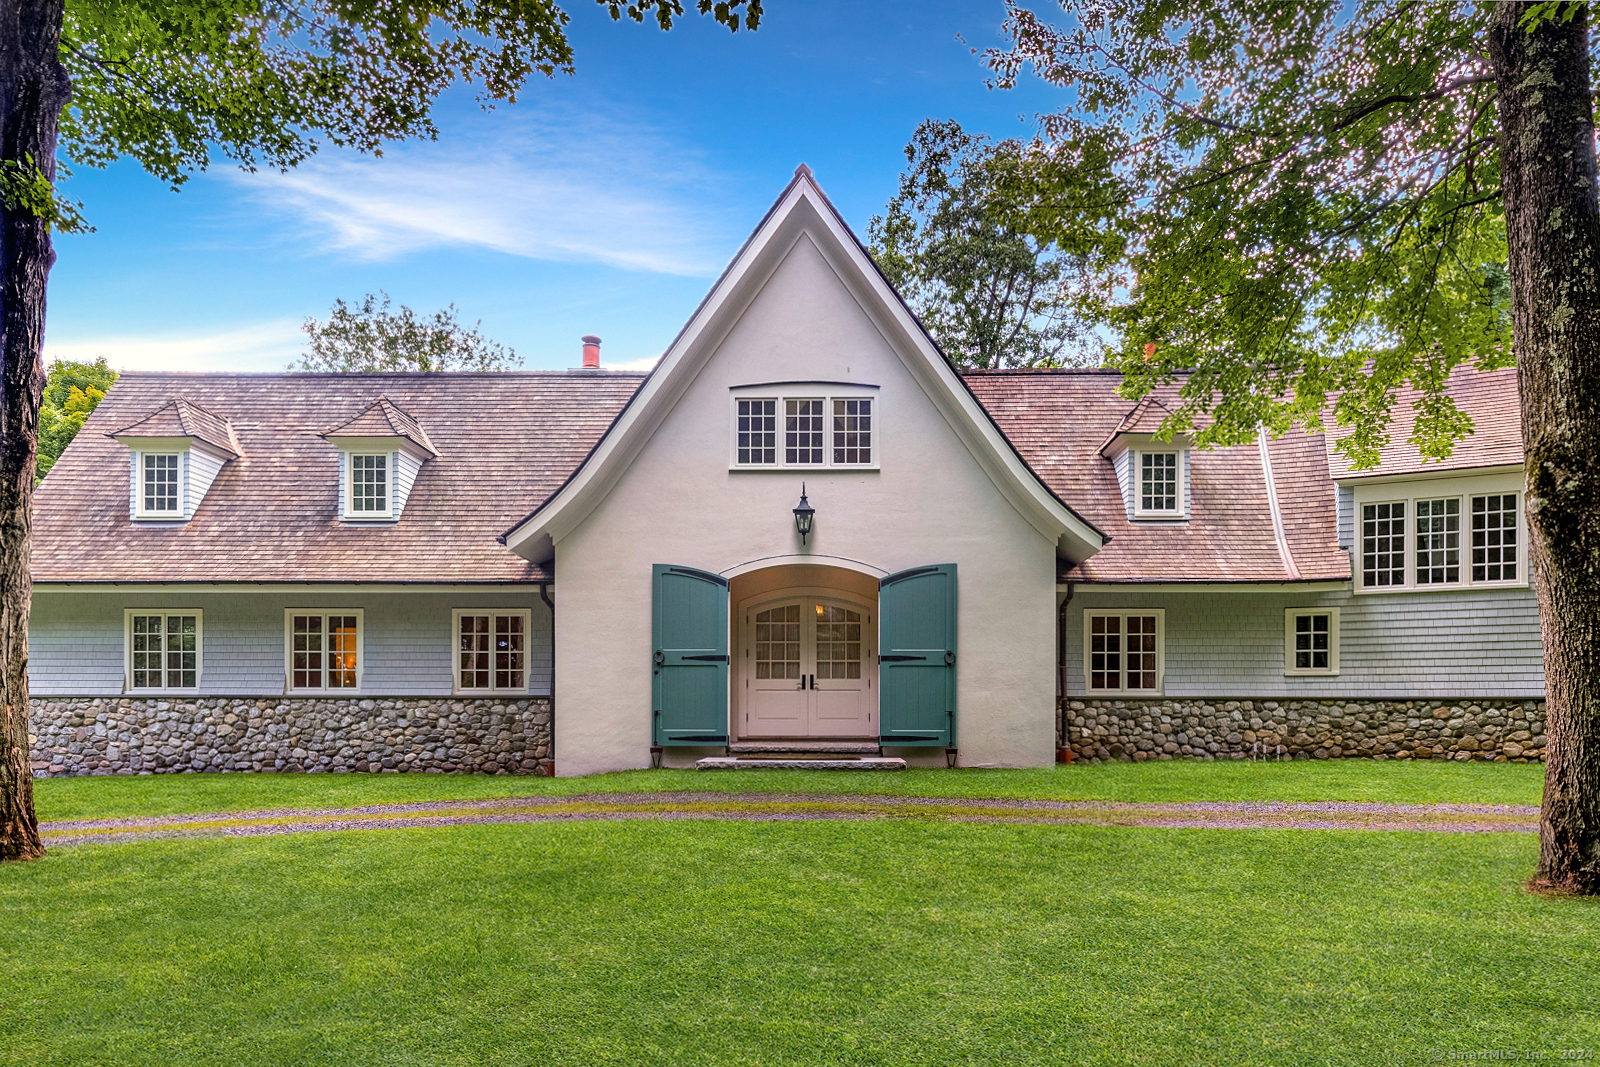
[{"x": 803, "y": 515}]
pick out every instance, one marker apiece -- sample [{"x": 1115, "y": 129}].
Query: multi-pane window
[
  {"x": 492, "y": 650},
  {"x": 802, "y": 432},
  {"x": 1494, "y": 538},
  {"x": 838, "y": 642},
  {"x": 826, "y": 431},
  {"x": 163, "y": 650},
  {"x": 758, "y": 431},
  {"x": 369, "y": 484},
  {"x": 778, "y": 642},
  {"x": 852, "y": 431},
  {"x": 1311, "y": 641},
  {"x": 159, "y": 492},
  {"x": 323, "y": 650},
  {"x": 1383, "y": 544},
  {"x": 1123, "y": 651},
  {"x": 1158, "y": 481},
  {"x": 1438, "y": 541}
]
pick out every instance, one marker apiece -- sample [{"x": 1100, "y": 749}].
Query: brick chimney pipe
[{"x": 591, "y": 352}]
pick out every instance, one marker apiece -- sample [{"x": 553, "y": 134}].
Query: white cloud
[
  {"x": 569, "y": 187},
  {"x": 647, "y": 363},
  {"x": 264, "y": 346}
]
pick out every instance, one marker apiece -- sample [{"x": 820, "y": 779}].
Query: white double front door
[{"x": 809, "y": 668}]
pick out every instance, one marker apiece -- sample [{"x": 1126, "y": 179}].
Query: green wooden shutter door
[
  {"x": 917, "y": 657},
  {"x": 689, "y": 686}
]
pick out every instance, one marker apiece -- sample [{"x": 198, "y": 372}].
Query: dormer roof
[
  {"x": 382, "y": 418},
  {"x": 180, "y": 418},
  {"x": 1145, "y": 417}
]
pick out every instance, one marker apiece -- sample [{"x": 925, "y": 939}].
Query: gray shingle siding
[
  {"x": 76, "y": 637},
  {"x": 1482, "y": 643},
  {"x": 1345, "y": 515}
]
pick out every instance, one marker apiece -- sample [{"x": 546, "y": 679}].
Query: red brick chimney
[{"x": 591, "y": 352}]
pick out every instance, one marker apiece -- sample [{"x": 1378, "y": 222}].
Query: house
[{"x": 801, "y": 531}]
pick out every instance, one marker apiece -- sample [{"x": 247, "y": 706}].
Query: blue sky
[{"x": 604, "y": 203}]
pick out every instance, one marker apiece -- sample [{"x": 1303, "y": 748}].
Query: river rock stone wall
[
  {"x": 1490, "y": 730},
  {"x": 141, "y": 735}
]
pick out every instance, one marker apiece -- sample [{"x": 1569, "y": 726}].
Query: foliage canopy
[
  {"x": 1289, "y": 202},
  {"x": 370, "y": 337},
  {"x": 71, "y": 392}
]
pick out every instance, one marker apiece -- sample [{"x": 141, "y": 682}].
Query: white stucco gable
[{"x": 802, "y": 229}]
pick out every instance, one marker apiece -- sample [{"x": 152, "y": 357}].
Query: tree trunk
[
  {"x": 1553, "y": 230},
  {"x": 33, "y": 89}
]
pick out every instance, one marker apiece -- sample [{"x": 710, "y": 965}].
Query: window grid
[
  {"x": 802, "y": 432},
  {"x": 323, "y": 651},
  {"x": 1438, "y": 541},
  {"x": 165, "y": 651},
  {"x": 492, "y": 650},
  {"x": 369, "y": 484},
  {"x": 778, "y": 642},
  {"x": 161, "y": 482},
  {"x": 852, "y": 431},
  {"x": 1158, "y": 481},
  {"x": 1494, "y": 538},
  {"x": 1383, "y": 544},
  {"x": 1313, "y": 636},
  {"x": 838, "y": 642},
  {"x": 758, "y": 432},
  {"x": 1124, "y": 653}
]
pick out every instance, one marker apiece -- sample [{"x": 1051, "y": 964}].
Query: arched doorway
[{"x": 805, "y": 644}]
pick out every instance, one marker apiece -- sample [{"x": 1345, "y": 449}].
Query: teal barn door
[
  {"x": 689, "y": 684},
  {"x": 917, "y": 657}
]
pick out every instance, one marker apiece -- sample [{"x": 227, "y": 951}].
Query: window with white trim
[
  {"x": 160, "y": 485},
  {"x": 1455, "y": 541},
  {"x": 369, "y": 484},
  {"x": 1311, "y": 641},
  {"x": 1123, "y": 650},
  {"x": 163, "y": 649},
  {"x": 491, "y": 649},
  {"x": 324, "y": 649},
  {"x": 804, "y": 432},
  {"x": 1158, "y": 483}
]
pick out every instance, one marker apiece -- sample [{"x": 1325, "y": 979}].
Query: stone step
[
  {"x": 779, "y": 763},
  {"x": 860, "y": 748}
]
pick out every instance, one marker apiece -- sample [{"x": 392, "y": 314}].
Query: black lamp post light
[{"x": 803, "y": 514}]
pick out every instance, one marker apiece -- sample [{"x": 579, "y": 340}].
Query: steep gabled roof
[
  {"x": 1146, "y": 416},
  {"x": 1489, "y": 398},
  {"x": 273, "y": 514},
  {"x": 802, "y": 209},
  {"x": 181, "y": 418},
  {"x": 383, "y": 419}
]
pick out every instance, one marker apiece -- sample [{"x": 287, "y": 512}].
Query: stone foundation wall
[
  {"x": 141, "y": 735},
  {"x": 1491, "y": 730}
]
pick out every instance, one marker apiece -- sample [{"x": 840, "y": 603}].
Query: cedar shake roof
[
  {"x": 505, "y": 442},
  {"x": 1146, "y": 416},
  {"x": 1490, "y": 398},
  {"x": 383, "y": 419},
  {"x": 1060, "y": 419},
  {"x": 180, "y": 418}
]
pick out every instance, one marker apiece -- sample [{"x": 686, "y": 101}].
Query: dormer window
[
  {"x": 160, "y": 489},
  {"x": 1158, "y": 483},
  {"x": 369, "y": 485},
  {"x": 174, "y": 454},
  {"x": 381, "y": 453}
]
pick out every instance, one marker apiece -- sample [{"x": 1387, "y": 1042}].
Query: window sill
[
  {"x": 836, "y": 469},
  {"x": 159, "y": 516},
  {"x": 1097, "y": 694},
  {"x": 356, "y": 692},
  {"x": 1159, "y": 516},
  {"x": 1310, "y": 674},
  {"x": 488, "y": 692},
  {"x": 1460, "y": 587}
]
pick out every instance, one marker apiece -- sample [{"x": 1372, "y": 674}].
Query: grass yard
[
  {"x": 875, "y": 942},
  {"x": 1398, "y": 782}
]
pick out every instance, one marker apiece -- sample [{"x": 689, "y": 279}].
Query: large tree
[
  {"x": 370, "y": 338},
  {"x": 170, "y": 83},
  {"x": 1310, "y": 205},
  {"x": 991, "y": 293}
]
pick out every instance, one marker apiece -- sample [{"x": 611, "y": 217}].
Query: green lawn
[
  {"x": 795, "y": 943},
  {"x": 1391, "y": 781},
  {"x": 828, "y": 943}
]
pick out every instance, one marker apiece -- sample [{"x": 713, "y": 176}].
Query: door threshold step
[
  {"x": 801, "y": 763},
  {"x": 860, "y": 748}
]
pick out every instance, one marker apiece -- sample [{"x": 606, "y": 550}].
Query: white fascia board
[
  {"x": 801, "y": 210},
  {"x": 1203, "y": 587},
  {"x": 1358, "y": 478}
]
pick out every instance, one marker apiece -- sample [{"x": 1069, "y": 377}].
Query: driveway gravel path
[{"x": 767, "y": 807}]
